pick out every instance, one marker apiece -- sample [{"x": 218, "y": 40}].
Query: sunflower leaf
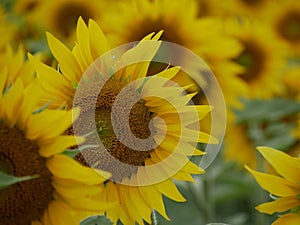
[
  {"x": 96, "y": 220},
  {"x": 259, "y": 110},
  {"x": 7, "y": 180}
]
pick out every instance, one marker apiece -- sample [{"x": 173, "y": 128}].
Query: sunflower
[
  {"x": 285, "y": 23},
  {"x": 31, "y": 143},
  {"x": 285, "y": 187},
  {"x": 15, "y": 63},
  {"x": 7, "y": 29},
  {"x": 291, "y": 80},
  {"x": 238, "y": 146},
  {"x": 136, "y": 186},
  {"x": 262, "y": 60},
  {"x": 60, "y": 17},
  {"x": 255, "y": 9},
  {"x": 208, "y": 8},
  {"x": 181, "y": 26}
]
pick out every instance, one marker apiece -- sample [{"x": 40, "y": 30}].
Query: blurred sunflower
[
  {"x": 15, "y": 63},
  {"x": 255, "y": 9},
  {"x": 134, "y": 202},
  {"x": 285, "y": 23},
  {"x": 7, "y": 30},
  {"x": 262, "y": 58},
  {"x": 60, "y": 17},
  {"x": 31, "y": 143},
  {"x": 237, "y": 136},
  {"x": 180, "y": 24},
  {"x": 291, "y": 79},
  {"x": 285, "y": 187}
]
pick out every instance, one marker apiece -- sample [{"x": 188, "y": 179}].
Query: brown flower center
[
  {"x": 289, "y": 26},
  {"x": 251, "y": 2},
  {"x": 26, "y": 201},
  {"x": 67, "y": 15},
  {"x": 253, "y": 60},
  {"x": 149, "y": 25},
  {"x": 139, "y": 119}
]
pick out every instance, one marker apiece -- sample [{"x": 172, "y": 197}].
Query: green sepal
[
  {"x": 7, "y": 180},
  {"x": 96, "y": 220}
]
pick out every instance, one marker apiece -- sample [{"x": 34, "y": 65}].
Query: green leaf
[
  {"x": 73, "y": 152},
  {"x": 257, "y": 110},
  {"x": 7, "y": 180},
  {"x": 96, "y": 220}
]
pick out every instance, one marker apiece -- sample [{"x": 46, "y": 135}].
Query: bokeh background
[{"x": 251, "y": 46}]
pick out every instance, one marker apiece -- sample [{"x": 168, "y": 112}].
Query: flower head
[{"x": 285, "y": 186}]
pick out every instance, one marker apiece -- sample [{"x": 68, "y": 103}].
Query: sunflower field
[{"x": 139, "y": 112}]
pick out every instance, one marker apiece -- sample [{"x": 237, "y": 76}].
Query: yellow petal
[
  {"x": 98, "y": 41},
  {"x": 52, "y": 80},
  {"x": 154, "y": 199},
  {"x": 67, "y": 62},
  {"x": 169, "y": 189},
  {"x": 288, "y": 219},
  {"x": 275, "y": 185},
  {"x": 280, "y": 205},
  {"x": 84, "y": 43},
  {"x": 59, "y": 145},
  {"x": 50, "y": 123},
  {"x": 12, "y": 102},
  {"x": 112, "y": 197},
  {"x": 59, "y": 214},
  {"x": 30, "y": 102},
  {"x": 284, "y": 164},
  {"x": 66, "y": 168},
  {"x": 140, "y": 205}
]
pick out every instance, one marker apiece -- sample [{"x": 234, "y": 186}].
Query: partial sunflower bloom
[
  {"x": 142, "y": 173},
  {"x": 261, "y": 59},
  {"x": 284, "y": 187},
  {"x": 31, "y": 143}
]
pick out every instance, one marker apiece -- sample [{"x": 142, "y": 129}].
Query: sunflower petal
[
  {"x": 275, "y": 185},
  {"x": 280, "y": 205},
  {"x": 284, "y": 164},
  {"x": 66, "y": 168}
]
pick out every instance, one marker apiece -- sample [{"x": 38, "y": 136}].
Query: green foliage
[
  {"x": 7, "y": 180},
  {"x": 270, "y": 122}
]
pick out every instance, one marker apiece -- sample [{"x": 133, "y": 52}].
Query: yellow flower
[
  {"x": 262, "y": 59},
  {"x": 31, "y": 143},
  {"x": 291, "y": 79},
  {"x": 285, "y": 187},
  {"x": 209, "y": 8},
  {"x": 7, "y": 30},
  {"x": 285, "y": 23},
  {"x": 237, "y": 136},
  {"x": 178, "y": 20},
  {"x": 60, "y": 17},
  {"x": 140, "y": 176},
  {"x": 15, "y": 63},
  {"x": 247, "y": 8}
]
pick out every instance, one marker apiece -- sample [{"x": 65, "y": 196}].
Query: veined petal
[
  {"x": 50, "y": 124},
  {"x": 288, "y": 219},
  {"x": 30, "y": 102},
  {"x": 275, "y": 185},
  {"x": 154, "y": 199},
  {"x": 280, "y": 205},
  {"x": 283, "y": 163},
  {"x": 98, "y": 41},
  {"x": 60, "y": 214},
  {"x": 169, "y": 189},
  {"x": 52, "y": 79},
  {"x": 67, "y": 62},
  {"x": 84, "y": 43},
  {"x": 59, "y": 145},
  {"x": 66, "y": 168},
  {"x": 12, "y": 102}
]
